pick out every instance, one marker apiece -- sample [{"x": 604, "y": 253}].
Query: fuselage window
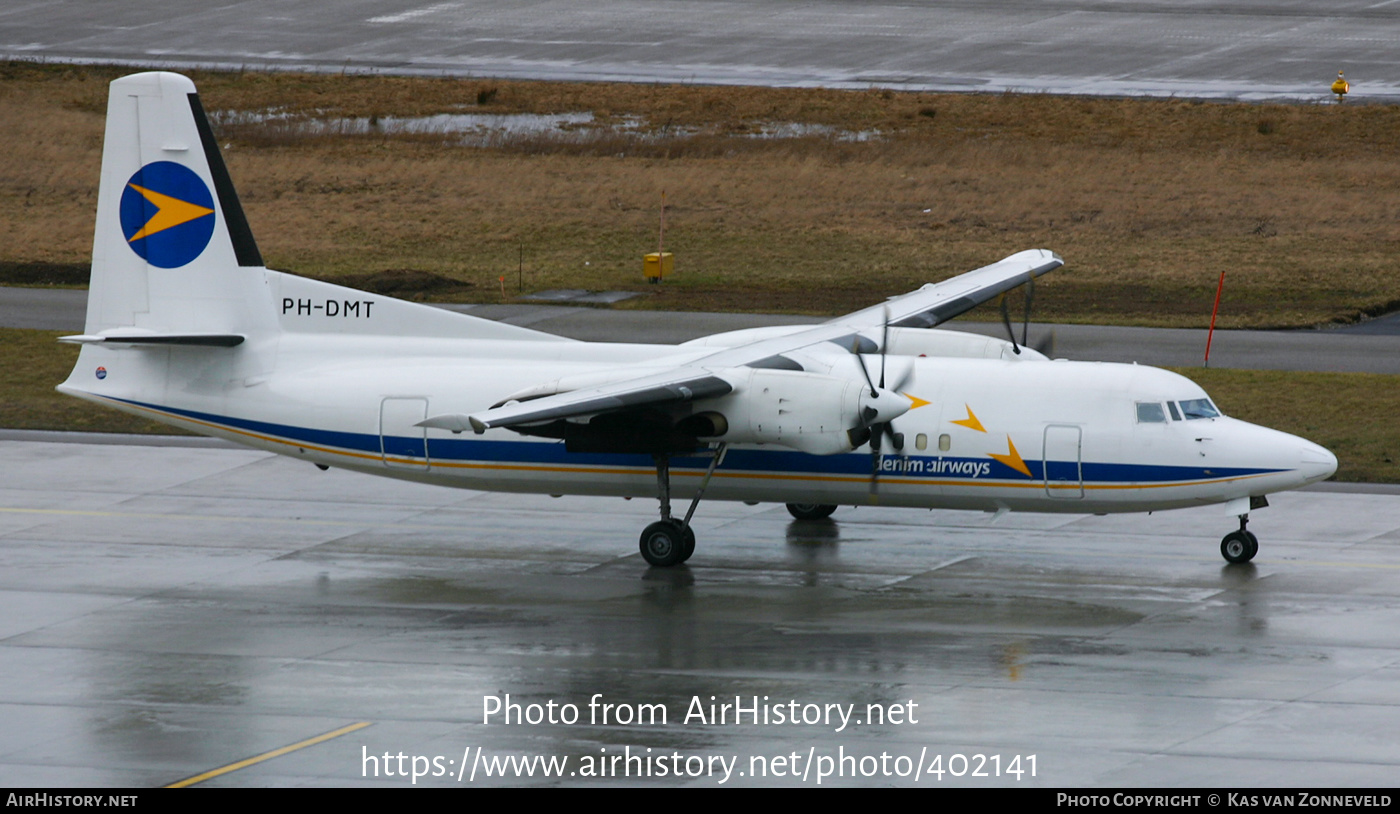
[
  {"x": 921, "y": 441},
  {"x": 945, "y": 442},
  {"x": 1199, "y": 408},
  {"x": 1176, "y": 414},
  {"x": 1150, "y": 412}
]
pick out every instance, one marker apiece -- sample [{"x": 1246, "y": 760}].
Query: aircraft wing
[
  {"x": 703, "y": 378},
  {"x": 936, "y": 303},
  {"x": 672, "y": 387},
  {"x": 926, "y": 307}
]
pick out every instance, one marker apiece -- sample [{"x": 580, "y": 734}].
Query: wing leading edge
[{"x": 936, "y": 303}]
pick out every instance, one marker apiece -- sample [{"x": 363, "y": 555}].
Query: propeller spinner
[{"x": 879, "y": 408}]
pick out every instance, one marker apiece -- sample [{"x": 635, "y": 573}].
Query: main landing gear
[
  {"x": 1240, "y": 546},
  {"x": 810, "y": 511},
  {"x": 669, "y": 541}
]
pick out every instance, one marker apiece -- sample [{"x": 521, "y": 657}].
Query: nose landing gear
[{"x": 1240, "y": 546}]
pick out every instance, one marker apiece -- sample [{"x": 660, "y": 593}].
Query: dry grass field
[{"x": 807, "y": 201}]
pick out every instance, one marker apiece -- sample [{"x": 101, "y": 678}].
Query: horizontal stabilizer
[{"x": 194, "y": 340}]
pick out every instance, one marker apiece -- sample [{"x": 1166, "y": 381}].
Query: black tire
[
  {"x": 663, "y": 544},
  {"x": 810, "y": 511},
  {"x": 1239, "y": 547},
  {"x": 689, "y": 544}
]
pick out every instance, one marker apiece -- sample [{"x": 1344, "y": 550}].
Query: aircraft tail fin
[
  {"x": 180, "y": 301},
  {"x": 172, "y": 252},
  {"x": 175, "y": 263}
]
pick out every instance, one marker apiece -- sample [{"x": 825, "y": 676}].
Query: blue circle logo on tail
[{"x": 167, "y": 214}]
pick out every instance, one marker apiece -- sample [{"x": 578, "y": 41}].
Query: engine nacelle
[
  {"x": 804, "y": 411},
  {"x": 955, "y": 345}
]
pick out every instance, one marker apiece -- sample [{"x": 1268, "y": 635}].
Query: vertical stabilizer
[{"x": 172, "y": 252}]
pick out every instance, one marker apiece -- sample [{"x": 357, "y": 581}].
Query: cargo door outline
[
  {"x": 402, "y": 445},
  {"x": 1064, "y": 468}
]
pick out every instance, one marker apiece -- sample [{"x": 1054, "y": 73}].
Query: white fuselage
[{"x": 984, "y": 433}]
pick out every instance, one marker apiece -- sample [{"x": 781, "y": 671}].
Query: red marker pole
[{"x": 1211, "y": 333}]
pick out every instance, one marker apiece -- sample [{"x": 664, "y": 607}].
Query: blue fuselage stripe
[{"x": 753, "y": 460}]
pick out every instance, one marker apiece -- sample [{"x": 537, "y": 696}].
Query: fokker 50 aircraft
[{"x": 185, "y": 325}]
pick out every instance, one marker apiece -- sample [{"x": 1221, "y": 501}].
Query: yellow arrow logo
[
  {"x": 971, "y": 421},
  {"x": 170, "y": 212},
  {"x": 1012, "y": 458}
]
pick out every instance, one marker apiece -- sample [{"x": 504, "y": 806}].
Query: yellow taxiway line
[{"x": 233, "y": 767}]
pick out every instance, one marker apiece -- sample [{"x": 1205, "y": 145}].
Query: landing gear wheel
[
  {"x": 1239, "y": 546},
  {"x": 666, "y": 543},
  {"x": 689, "y": 544},
  {"x": 810, "y": 511}
]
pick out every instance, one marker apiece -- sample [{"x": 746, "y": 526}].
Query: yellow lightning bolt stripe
[
  {"x": 971, "y": 421},
  {"x": 915, "y": 402},
  {"x": 1012, "y": 458},
  {"x": 170, "y": 212}
]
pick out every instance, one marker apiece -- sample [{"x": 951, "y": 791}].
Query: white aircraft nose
[{"x": 1316, "y": 463}]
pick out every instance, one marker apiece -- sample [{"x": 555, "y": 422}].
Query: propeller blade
[
  {"x": 884, "y": 345},
  {"x": 896, "y": 438},
  {"x": 855, "y": 349},
  {"x": 875, "y": 431},
  {"x": 876, "y": 450},
  {"x": 875, "y": 457},
  {"x": 904, "y": 377}
]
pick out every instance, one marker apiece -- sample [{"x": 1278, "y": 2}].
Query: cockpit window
[
  {"x": 1150, "y": 412},
  {"x": 1176, "y": 414},
  {"x": 1199, "y": 408}
]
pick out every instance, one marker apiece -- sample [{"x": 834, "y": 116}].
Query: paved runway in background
[
  {"x": 1372, "y": 347},
  {"x": 1247, "y": 49}
]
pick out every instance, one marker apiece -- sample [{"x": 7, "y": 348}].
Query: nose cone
[
  {"x": 1316, "y": 463},
  {"x": 1294, "y": 461}
]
